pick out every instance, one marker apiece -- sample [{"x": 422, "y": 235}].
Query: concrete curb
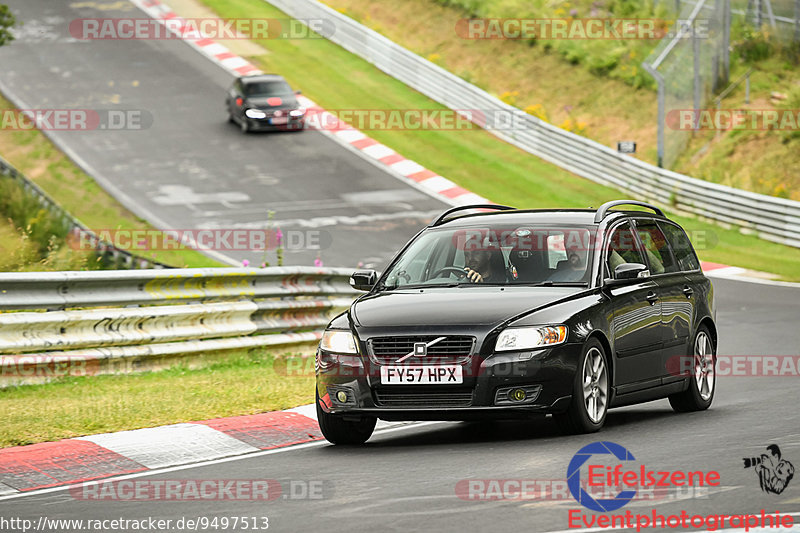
[{"x": 95, "y": 457}]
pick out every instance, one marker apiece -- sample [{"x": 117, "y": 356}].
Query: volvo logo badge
[{"x": 420, "y": 349}]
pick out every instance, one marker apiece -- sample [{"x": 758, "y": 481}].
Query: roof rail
[
  {"x": 441, "y": 218},
  {"x": 603, "y": 210}
]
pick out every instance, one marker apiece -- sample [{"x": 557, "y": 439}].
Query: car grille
[
  {"x": 397, "y": 398},
  {"x": 453, "y": 349}
]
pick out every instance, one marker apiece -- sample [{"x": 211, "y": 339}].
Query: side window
[
  {"x": 622, "y": 248},
  {"x": 681, "y": 247},
  {"x": 656, "y": 248}
]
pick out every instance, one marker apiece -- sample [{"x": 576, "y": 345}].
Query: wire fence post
[
  {"x": 660, "y": 118},
  {"x": 696, "y": 66}
]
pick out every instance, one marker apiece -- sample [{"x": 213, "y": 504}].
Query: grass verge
[
  {"x": 33, "y": 154},
  {"x": 474, "y": 159},
  {"x": 548, "y": 78},
  {"x": 239, "y": 383}
]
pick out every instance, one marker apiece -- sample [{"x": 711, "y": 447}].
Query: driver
[{"x": 480, "y": 267}]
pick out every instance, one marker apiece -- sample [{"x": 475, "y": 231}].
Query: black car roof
[
  {"x": 518, "y": 217},
  {"x": 262, "y": 77}
]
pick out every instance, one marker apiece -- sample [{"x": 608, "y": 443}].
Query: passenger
[{"x": 573, "y": 269}]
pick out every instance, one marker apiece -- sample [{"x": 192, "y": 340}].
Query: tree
[{"x": 7, "y": 20}]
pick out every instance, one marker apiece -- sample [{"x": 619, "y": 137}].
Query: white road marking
[
  {"x": 171, "y": 445},
  {"x": 350, "y": 136},
  {"x": 321, "y": 222},
  {"x": 183, "y": 195},
  {"x": 378, "y": 151},
  {"x": 407, "y": 167},
  {"x": 438, "y": 184}
]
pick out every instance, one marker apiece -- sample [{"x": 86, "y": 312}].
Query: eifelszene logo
[
  {"x": 602, "y": 478},
  {"x": 574, "y": 477},
  {"x": 774, "y": 472}
]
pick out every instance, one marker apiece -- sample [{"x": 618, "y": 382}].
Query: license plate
[
  {"x": 421, "y": 375},
  {"x": 279, "y": 120}
]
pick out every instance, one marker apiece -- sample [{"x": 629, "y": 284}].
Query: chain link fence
[
  {"x": 689, "y": 66},
  {"x": 692, "y": 64}
]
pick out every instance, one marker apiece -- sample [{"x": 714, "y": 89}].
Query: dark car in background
[
  {"x": 264, "y": 102},
  {"x": 495, "y": 312}
]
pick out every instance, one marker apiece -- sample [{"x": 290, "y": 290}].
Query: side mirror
[
  {"x": 298, "y": 92},
  {"x": 363, "y": 280},
  {"x": 627, "y": 272}
]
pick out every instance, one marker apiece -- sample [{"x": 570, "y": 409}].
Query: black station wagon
[{"x": 495, "y": 312}]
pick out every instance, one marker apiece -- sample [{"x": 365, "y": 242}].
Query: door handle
[
  {"x": 652, "y": 297},
  {"x": 688, "y": 291}
]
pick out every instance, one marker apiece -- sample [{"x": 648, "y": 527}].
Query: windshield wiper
[
  {"x": 559, "y": 284},
  {"x": 419, "y": 286}
]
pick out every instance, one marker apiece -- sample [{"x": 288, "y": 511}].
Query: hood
[
  {"x": 453, "y": 306},
  {"x": 264, "y": 102}
]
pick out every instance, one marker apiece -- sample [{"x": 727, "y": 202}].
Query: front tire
[
  {"x": 337, "y": 430},
  {"x": 245, "y": 125},
  {"x": 702, "y": 381},
  {"x": 590, "y": 393}
]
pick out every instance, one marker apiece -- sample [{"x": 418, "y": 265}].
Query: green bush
[{"x": 754, "y": 45}]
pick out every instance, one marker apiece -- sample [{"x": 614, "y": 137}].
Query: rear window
[
  {"x": 681, "y": 247},
  {"x": 267, "y": 88}
]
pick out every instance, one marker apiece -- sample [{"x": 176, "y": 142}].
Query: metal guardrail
[
  {"x": 119, "y": 258},
  {"x": 774, "y": 219},
  {"x": 214, "y": 310}
]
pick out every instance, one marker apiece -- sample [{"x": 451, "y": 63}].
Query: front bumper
[
  {"x": 294, "y": 123},
  {"x": 550, "y": 373}
]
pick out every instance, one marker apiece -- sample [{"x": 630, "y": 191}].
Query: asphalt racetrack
[{"x": 190, "y": 169}]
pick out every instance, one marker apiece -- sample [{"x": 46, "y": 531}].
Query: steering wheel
[{"x": 460, "y": 273}]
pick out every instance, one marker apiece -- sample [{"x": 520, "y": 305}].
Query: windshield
[
  {"x": 496, "y": 255},
  {"x": 267, "y": 88}
]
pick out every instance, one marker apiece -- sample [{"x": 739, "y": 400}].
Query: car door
[
  {"x": 636, "y": 315},
  {"x": 685, "y": 298},
  {"x": 676, "y": 308}
]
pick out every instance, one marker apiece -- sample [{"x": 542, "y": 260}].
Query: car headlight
[
  {"x": 255, "y": 113},
  {"x": 297, "y": 112},
  {"x": 528, "y": 338},
  {"x": 338, "y": 341}
]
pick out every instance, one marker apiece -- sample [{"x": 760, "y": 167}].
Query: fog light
[
  {"x": 517, "y": 395},
  {"x": 342, "y": 396}
]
